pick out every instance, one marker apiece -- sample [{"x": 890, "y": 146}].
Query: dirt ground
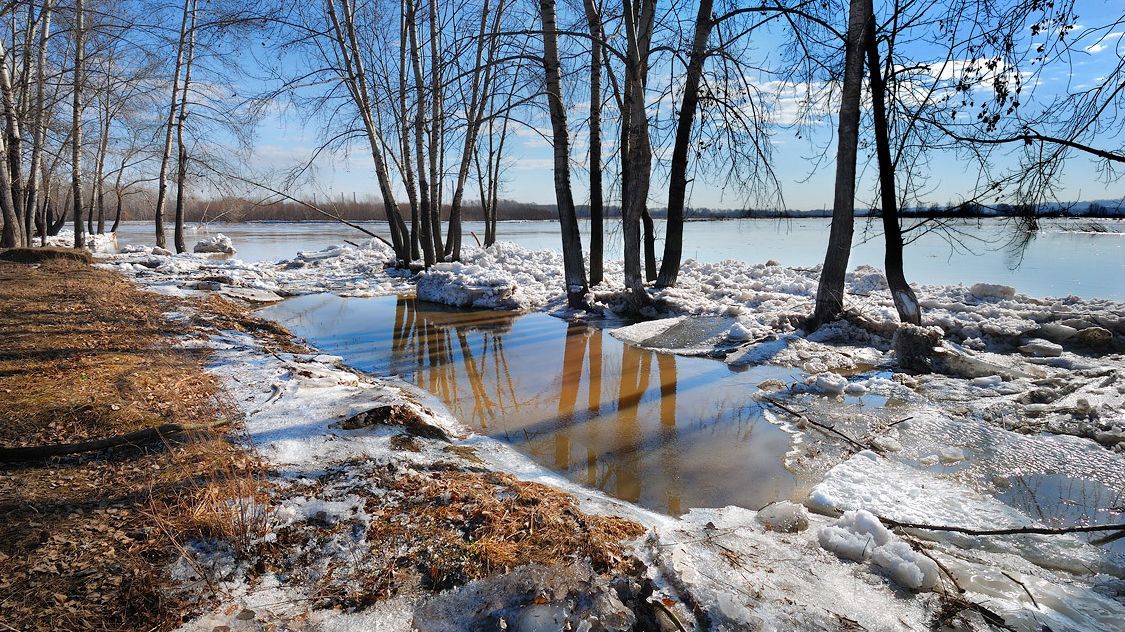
[{"x": 84, "y": 356}]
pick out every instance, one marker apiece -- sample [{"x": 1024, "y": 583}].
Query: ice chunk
[
  {"x": 989, "y": 290},
  {"x": 830, "y": 383},
  {"x": 1039, "y": 348},
  {"x": 1056, "y": 332},
  {"x": 855, "y": 536},
  {"x": 887, "y": 444},
  {"x": 784, "y": 516},
  {"x": 988, "y": 380},
  {"x": 905, "y": 566},
  {"x": 949, "y": 456},
  {"x": 738, "y": 331},
  {"x": 219, "y": 243}
]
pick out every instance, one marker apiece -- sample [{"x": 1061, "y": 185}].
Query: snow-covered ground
[{"x": 945, "y": 448}]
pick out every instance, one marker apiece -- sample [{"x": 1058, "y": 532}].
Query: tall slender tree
[
  {"x": 574, "y": 269},
  {"x": 830, "y": 290}
]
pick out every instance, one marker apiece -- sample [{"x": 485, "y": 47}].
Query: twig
[
  {"x": 1024, "y": 586},
  {"x": 892, "y": 425},
  {"x": 824, "y": 427}
]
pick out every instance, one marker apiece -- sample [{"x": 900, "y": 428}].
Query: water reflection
[{"x": 667, "y": 432}]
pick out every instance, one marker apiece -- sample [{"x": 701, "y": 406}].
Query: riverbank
[{"x": 939, "y": 436}]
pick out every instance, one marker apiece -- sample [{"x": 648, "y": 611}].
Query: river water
[{"x": 1059, "y": 261}]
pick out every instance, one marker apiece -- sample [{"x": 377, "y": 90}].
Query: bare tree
[
  {"x": 906, "y": 302},
  {"x": 597, "y": 202},
  {"x": 76, "y": 120},
  {"x": 181, "y": 118},
  {"x": 830, "y": 291},
  {"x": 573, "y": 267}
]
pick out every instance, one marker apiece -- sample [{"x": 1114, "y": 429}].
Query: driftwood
[
  {"x": 1007, "y": 531},
  {"x": 160, "y": 433}
]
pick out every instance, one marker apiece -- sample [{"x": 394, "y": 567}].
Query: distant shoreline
[{"x": 776, "y": 216}]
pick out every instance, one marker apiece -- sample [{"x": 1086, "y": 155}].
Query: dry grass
[
  {"x": 87, "y": 538},
  {"x": 440, "y": 529}
]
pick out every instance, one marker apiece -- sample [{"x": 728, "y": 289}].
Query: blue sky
[{"x": 806, "y": 182}]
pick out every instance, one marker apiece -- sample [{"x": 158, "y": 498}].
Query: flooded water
[
  {"x": 667, "y": 432},
  {"x": 1057, "y": 262}
]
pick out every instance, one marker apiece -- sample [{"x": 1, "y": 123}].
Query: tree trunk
[
  {"x": 13, "y": 198},
  {"x": 166, "y": 156},
  {"x": 573, "y": 267},
  {"x": 677, "y": 178},
  {"x": 11, "y": 236},
  {"x": 649, "y": 244},
  {"x": 404, "y": 134},
  {"x": 356, "y": 82},
  {"x": 10, "y": 156},
  {"x": 597, "y": 227},
  {"x": 76, "y": 122},
  {"x": 99, "y": 164},
  {"x": 425, "y": 225},
  {"x": 481, "y": 87},
  {"x": 830, "y": 291},
  {"x": 39, "y": 132},
  {"x": 181, "y": 149},
  {"x": 435, "y": 134},
  {"x": 906, "y": 303},
  {"x": 637, "y": 155}
]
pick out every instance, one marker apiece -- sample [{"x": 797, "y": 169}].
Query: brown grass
[
  {"x": 440, "y": 529},
  {"x": 87, "y": 538}
]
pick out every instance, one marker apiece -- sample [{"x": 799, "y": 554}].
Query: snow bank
[{"x": 346, "y": 270}]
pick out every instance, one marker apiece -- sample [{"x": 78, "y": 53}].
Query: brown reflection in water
[
  {"x": 666, "y": 364},
  {"x": 667, "y": 432}
]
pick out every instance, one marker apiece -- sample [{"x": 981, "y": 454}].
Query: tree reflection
[{"x": 460, "y": 357}]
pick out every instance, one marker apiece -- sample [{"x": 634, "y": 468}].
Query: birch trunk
[
  {"x": 435, "y": 133},
  {"x": 637, "y": 155},
  {"x": 39, "y": 131},
  {"x": 424, "y": 211},
  {"x": 12, "y": 179},
  {"x": 166, "y": 155},
  {"x": 356, "y": 82},
  {"x": 76, "y": 121},
  {"x": 597, "y": 228},
  {"x": 181, "y": 149}
]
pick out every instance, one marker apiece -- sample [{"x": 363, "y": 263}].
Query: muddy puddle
[{"x": 666, "y": 432}]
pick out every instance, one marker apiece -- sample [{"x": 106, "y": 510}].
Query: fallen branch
[
  {"x": 311, "y": 207},
  {"x": 890, "y": 522},
  {"x": 139, "y": 437},
  {"x": 823, "y": 427}
]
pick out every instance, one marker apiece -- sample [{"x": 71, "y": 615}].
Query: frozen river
[{"x": 1059, "y": 261}]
